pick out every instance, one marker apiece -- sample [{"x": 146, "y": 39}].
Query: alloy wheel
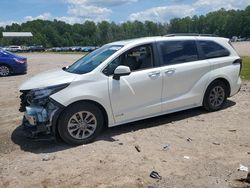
[
  {"x": 217, "y": 96},
  {"x": 82, "y": 125},
  {"x": 4, "y": 70}
]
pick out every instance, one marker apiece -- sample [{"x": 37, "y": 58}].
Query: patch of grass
[{"x": 245, "y": 72}]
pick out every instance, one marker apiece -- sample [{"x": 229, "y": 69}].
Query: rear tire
[
  {"x": 80, "y": 123},
  {"x": 4, "y": 70},
  {"x": 215, "y": 96}
]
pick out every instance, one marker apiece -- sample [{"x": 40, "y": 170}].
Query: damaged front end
[{"x": 40, "y": 111}]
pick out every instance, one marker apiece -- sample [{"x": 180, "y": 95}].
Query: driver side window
[{"x": 138, "y": 58}]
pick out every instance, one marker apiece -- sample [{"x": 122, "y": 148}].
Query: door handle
[
  {"x": 170, "y": 71},
  {"x": 154, "y": 74}
]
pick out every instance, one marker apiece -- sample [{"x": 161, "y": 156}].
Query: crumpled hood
[{"x": 48, "y": 78}]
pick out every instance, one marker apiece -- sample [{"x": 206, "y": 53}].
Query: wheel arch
[
  {"x": 225, "y": 81},
  {"x": 104, "y": 113}
]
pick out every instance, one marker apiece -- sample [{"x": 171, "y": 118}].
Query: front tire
[
  {"x": 215, "y": 96},
  {"x": 4, "y": 70},
  {"x": 80, "y": 123}
]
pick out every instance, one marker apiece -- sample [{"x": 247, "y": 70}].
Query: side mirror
[
  {"x": 64, "y": 68},
  {"x": 121, "y": 71}
]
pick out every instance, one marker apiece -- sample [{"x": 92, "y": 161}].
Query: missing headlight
[{"x": 40, "y": 96}]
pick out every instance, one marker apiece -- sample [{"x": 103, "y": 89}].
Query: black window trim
[{"x": 156, "y": 59}]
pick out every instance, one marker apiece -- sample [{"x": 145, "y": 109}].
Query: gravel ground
[{"x": 214, "y": 146}]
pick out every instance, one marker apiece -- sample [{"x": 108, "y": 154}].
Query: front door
[{"x": 137, "y": 95}]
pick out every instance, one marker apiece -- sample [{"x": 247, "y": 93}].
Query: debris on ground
[
  {"x": 243, "y": 168},
  {"x": 248, "y": 178},
  {"x": 121, "y": 143},
  {"x": 248, "y": 152},
  {"x": 46, "y": 157},
  {"x": 137, "y": 147},
  {"x": 216, "y": 143},
  {"x": 200, "y": 119},
  {"x": 166, "y": 147},
  {"x": 186, "y": 157},
  {"x": 189, "y": 139},
  {"x": 232, "y": 130},
  {"x": 152, "y": 186},
  {"x": 155, "y": 175}
]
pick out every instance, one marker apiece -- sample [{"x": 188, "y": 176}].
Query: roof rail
[{"x": 190, "y": 34}]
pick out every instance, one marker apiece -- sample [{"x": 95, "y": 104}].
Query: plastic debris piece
[
  {"x": 243, "y": 168},
  {"x": 166, "y": 147},
  {"x": 189, "y": 139},
  {"x": 137, "y": 147},
  {"x": 155, "y": 175},
  {"x": 152, "y": 186},
  {"x": 216, "y": 143},
  {"x": 186, "y": 157},
  {"x": 46, "y": 157}
]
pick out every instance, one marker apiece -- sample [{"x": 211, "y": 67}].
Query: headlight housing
[{"x": 41, "y": 95}]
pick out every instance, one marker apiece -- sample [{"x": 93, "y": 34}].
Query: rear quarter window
[{"x": 212, "y": 49}]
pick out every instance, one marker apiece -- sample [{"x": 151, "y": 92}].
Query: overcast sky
[{"x": 77, "y": 11}]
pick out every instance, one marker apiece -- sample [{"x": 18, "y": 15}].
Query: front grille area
[{"x": 23, "y": 102}]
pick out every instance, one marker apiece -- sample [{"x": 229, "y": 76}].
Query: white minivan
[{"x": 130, "y": 80}]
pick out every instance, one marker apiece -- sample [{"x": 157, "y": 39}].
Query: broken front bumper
[
  {"x": 41, "y": 120},
  {"x": 36, "y": 114}
]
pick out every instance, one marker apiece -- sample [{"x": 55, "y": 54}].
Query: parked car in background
[
  {"x": 24, "y": 49},
  {"x": 130, "y": 80},
  {"x": 54, "y": 49},
  {"x": 12, "y": 64},
  {"x": 88, "y": 49},
  {"x": 36, "y": 48},
  {"x": 75, "y": 48},
  {"x": 13, "y": 48}
]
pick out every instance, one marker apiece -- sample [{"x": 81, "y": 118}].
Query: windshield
[{"x": 93, "y": 60}]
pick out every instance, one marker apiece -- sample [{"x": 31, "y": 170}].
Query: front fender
[{"x": 91, "y": 91}]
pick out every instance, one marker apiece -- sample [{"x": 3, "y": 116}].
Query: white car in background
[
  {"x": 13, "y": 48},
  {"x": 130, "y": 80}
]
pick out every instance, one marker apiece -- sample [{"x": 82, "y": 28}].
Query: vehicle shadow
[
  {"x": 166, "y": 120},
  {"x": 52, "y": 145}
]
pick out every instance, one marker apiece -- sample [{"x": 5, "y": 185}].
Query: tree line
[{"x": 58, "y": 33}]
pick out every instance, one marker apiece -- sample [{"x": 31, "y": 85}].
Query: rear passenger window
[
  {"x": 212, "y": 49},
  {"x": 174, "y": 52}
]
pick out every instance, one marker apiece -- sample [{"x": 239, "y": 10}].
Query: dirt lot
[
  {"x": 216, "y": 144},
  {"x": 243, "y": 48}
]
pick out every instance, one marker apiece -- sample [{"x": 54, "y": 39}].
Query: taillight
[
  {"x": 22, "y": 61},
  {"x": 238, "y": 61}
]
